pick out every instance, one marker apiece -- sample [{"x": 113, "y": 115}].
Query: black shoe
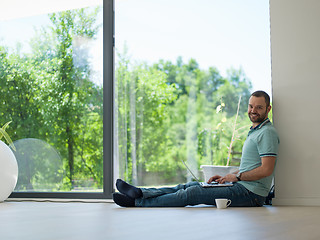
[
  {"x": 123, "y": 200},
  {"x": 129, "y": 190}
]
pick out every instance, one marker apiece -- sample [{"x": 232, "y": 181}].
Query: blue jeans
[{"x": 193, "y": 194}]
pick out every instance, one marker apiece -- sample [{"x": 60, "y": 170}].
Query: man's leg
[
  {"x": 156, "y": 192},
  {"x": 194, "y": 195},
  {"x": 128, "y": 190},
  {"x": 128, "y": 193}
]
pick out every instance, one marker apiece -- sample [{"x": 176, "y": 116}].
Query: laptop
[{"x": 204, "y": 184}]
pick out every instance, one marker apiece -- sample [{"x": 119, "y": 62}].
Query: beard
[{"x": 257, "y": 118}]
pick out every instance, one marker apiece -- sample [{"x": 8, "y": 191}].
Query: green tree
[
  {"x": 141, "y": 99},
  {"x": 18, "y": 91},
  {"x": 235, "y": 85},
  {"x": 72, "y": 81},
  {"x": 48, "y": 93},
  {"x": 191, "y": 129}
]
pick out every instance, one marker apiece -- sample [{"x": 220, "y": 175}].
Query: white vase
[{"x": 8, "y": 171}]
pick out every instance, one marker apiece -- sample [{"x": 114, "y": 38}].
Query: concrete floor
[{"x": 94, "y": 221}]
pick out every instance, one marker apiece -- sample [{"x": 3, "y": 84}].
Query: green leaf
[
  {"x": 4, "y": 134},
  {"x": 6, "y": 125}
]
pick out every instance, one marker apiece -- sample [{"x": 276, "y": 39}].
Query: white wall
[{"x": 295, "y": 54}]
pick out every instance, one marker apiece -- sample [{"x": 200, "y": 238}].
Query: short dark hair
[{"x": 262, "y": 94}]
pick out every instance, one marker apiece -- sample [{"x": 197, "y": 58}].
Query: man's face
[{"x": 258, "y": 110}]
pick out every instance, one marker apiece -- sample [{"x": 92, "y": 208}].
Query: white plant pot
[
  {"x": 211, "y": 170},
  {"x": 8, "y": 171}
]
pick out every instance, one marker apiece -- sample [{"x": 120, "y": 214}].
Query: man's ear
[{"x": 269, "y": 108}]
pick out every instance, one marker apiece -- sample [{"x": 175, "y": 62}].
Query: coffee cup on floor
[{"x": 222, "y": 203}]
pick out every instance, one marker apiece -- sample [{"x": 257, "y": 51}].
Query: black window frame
[{"x": 108, "y": 103}]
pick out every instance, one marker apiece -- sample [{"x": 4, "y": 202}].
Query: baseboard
[
  {"x": 63, "y": 200},
  {"x": 296, "y": 202}
]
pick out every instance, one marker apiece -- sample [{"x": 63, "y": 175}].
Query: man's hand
[
  {"x": 228, "y": 178},
  {"x": 214, "y": 178}
]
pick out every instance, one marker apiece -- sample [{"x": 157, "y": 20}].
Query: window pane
[
  {"x": 51, "y": 91},
  {"x": 181, "y": 69}
]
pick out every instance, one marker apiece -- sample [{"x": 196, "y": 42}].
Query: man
[{"x": 251, "y": 183}]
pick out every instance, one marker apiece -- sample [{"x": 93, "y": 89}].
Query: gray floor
[{"x": 74, "y": 220}]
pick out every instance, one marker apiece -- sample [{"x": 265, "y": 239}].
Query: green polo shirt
[{"x": 262, "y": 141}]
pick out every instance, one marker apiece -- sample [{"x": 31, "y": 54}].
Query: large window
[
  {"x": 181, "y": 68},
  {"x": 172, "y": 94},
  {"x": 51, "y": 84}
]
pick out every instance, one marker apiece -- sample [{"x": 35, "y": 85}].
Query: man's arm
[{"x": 265, "y": 170}]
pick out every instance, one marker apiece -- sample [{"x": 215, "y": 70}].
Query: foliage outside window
[
  {"x": 48, "y": 94},
  {"x": 180, "y": 69},
  {"x": 169, "y": 111}
]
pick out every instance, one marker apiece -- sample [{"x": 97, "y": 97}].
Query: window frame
[{"x": 108, "y": 103}]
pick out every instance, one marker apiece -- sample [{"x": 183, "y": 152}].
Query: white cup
[{"x": 222, "y": 203}]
